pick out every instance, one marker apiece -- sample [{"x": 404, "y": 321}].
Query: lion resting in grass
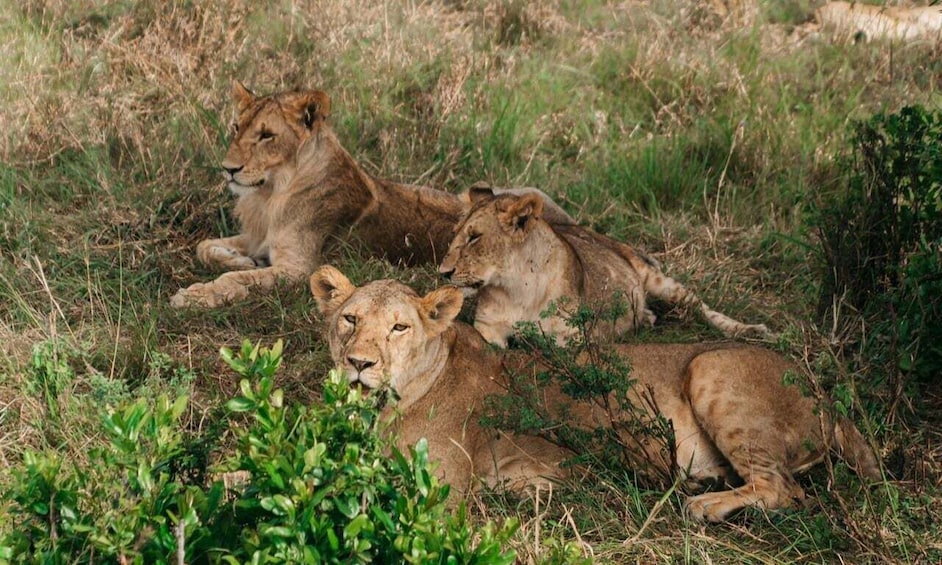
[
  {"x": 855, "y": 20},
  {"x": 521, "y": 265},
  {"x": 298, "y": 188},
  {"x": 734, "y": 421},
  {"x": 385, "y": 334}
]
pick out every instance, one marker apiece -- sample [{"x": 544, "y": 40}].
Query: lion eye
[
  {"x": 400, "y": 328},
  {"x": 351, "y": 319},
  {"x": 472, "y": 238},
  {"x": 263, "y": 135}
]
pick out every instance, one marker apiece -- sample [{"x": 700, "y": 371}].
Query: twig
[
  {"x": 180, "y": 534},
  {"x": 653, "y": 513},
  {"x": 586, "y": 548}
]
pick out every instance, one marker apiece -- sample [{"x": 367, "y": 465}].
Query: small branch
[
  {"x": 180, "y": 533},
  {"x": 53, "y": 531}
]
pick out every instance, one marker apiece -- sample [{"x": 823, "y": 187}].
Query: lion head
[
  {"x": 489, "y": 240},
  {"x": 384, "y": 333},
  {"x": 267, "y": 134}
]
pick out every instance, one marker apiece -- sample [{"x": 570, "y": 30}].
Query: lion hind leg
[
  {"x": 730, "y": 326},
  {"x": 759, "y": 458},
  {"x": 666, "y": 288},
  {"x": 766, "y": 488},
  {"x": 762, "y": 430}
]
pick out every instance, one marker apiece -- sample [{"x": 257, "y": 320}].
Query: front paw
[
  {"x": 220, "y": 255},
  {"x": 196, "y": 295}
]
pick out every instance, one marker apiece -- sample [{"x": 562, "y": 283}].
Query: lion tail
[{"x": 855, "y": 451}]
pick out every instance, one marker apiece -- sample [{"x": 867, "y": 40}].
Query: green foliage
[
  {"x": 555, "y": 551},
  {"x": 628, "y": 114},
  {"x": 127, "y": 501},
  {"x": 320, "y": 485},
  {"x": 325, "y": 487},
  {"x": 881, "y": 238},
  {"x": 49, "y": 375},
  {"x": 596, "y": 378}
]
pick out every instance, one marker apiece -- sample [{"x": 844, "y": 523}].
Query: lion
[
  {"x": 856, "y": 21},
  {"x": 297, "y": 189},
  {"x": 384, "y": 334},
  {"x": 734, "y": 421},
  {"x": 521, "y": 265}
]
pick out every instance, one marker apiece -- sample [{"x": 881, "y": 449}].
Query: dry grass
[{"x": 700, "y": 137}]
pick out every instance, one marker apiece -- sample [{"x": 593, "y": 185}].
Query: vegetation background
[{"x": 710, "y": 140}]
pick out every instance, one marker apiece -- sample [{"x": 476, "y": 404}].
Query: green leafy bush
[
  {"x": 587, "y": 371},
  {"x": 126, "y": 501},
  {"x": 881, "y": 239},
  {"x": 325, "y": 487},
  {"x": 318, "y": 485}
]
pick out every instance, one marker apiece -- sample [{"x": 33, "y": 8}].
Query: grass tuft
[{"x": 699, "y": 135}]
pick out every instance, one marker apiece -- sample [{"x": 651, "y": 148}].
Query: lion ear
[
  {"x": 330, "y": 288},
  {"x": 477, "y": 192},
  {"x": 520, "y": 211},
  {"x": 310, "y": 106},
  {"x": 241, "y": 96},
  {"x": 441, "y": 307}
]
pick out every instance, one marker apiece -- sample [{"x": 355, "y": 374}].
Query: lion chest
[
  {"x": 253, "y": 211},
  {"x": 449, "y": 424},
  {"x": 497, "y": 312}
]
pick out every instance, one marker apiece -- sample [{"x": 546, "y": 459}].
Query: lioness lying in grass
[
  {"x": 734, "y": 421},
  {"x": 521, "y": 264}
]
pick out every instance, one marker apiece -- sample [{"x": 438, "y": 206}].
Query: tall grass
[{"x": 701, "y": 140}]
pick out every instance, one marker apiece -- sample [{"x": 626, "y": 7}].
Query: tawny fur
[
  {"x": 521, "y": 265},
  {"x": 384, "y": 334},
  {"x": 734, "y": 421},
  {"x": 855, "y": 20},
  {"x": 298, "y": 189}
]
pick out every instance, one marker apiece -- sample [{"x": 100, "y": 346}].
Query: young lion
[
  {"x": 385, "y": 334},
  {"x": 297, "y": 188},
  {"x": 852, "y": 21},
  {"x": 734, "y": 421},
  {"x": 522, "y": 265}
]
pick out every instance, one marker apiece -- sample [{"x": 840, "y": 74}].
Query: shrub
[
  {"x": 128, "y": 501},
  {"x": 881, "y": 240},
  {"x": 588, "y": 371},
  {"x": 320, "y": 485},
  {"x": 325, "y": 487}
]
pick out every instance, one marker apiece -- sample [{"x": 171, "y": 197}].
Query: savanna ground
[{"x": 702, "y": 140}]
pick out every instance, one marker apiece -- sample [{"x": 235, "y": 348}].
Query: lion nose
[
  {"x": 445, "y": 272},
  {"x": 360, "y": 364},
  {"x": 231, "y": 171}
]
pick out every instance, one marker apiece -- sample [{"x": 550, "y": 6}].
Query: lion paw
[
  {"x": 713, "y": 506},
  {"x": 226, "y": 289},
  {"x": 198, "y": 294},
  {"x": 215, "y": 254},
  {"x": 762, "y": 329}
]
